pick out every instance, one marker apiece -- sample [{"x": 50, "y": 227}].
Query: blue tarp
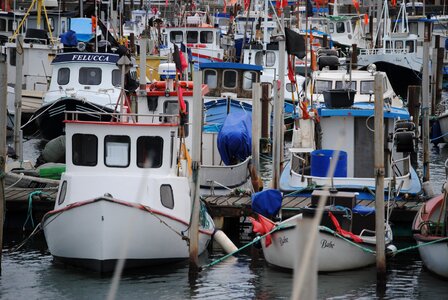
[
  {"x": 235, "y": 138},
  {"x": 363, "y": 210},
  {"x": 69, "y": 39},
  {"x": 267, "y": 202}
]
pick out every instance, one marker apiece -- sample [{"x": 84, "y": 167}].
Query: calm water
[{"x": 30, "y": 273}]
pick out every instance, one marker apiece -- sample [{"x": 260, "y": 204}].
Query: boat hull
[
  {"x": 97, "y": 233},
  {"x": 435, "y": 257},
  {"x": 443, "y": 121},
  {"x": 333, "y": 253}
]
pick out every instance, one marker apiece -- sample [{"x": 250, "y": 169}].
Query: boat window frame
[
  {"x": 269, "y": 56},
  {"x": 88, "y": 70},
  {"x": 78, "y": 155},
  {"x": 174, "y": 34},
  {"x": 3, "y": 24},
  {"x": 62, "y": 192},
  {"x": 339, "y": 28},
  {"x": 176, "y": 108},
  {"x": 117, "y": 139},
  {"x": 362, "y": 89},
  {"x": 340, "y": 84},
  {"x": 410, "y": 46},
  {"x": 206, "y": 37},
  {"x": 319, "y": 91},
  {"x": 206, "y": 76},
  {"x": 167, "y": 202},
  {"x": 190, "y": 36},
  {"x": 154, "y": 143},
  {"x": 66, "y": 79},
  {"x": 115, "y": 77},
  {"x": 251, "y": 80},
  {"x": 224, "y": 85}
]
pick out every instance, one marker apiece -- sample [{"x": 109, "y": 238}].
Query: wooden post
[
  {"x": 278, "y": 109},
  {"x": 425, "y": 101},
  {"x": 439, "y": 76},
  {"x": 196, "y": 157},
  {"x": 3, "y": 123},
  {"x": 256, "y": 121},
  {"x": 18, "y": 98},
  {"x": 414, "y": 103},
  {"x": 379, "y": 176}
]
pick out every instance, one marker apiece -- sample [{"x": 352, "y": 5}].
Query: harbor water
[{"x": 30, "y": 273}]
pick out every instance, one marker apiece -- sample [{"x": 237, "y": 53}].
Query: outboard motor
[{"x": 404, "y": 136}]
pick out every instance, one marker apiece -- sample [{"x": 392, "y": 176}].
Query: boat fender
[
  {"x": 405, "y": 141},
  {"x": 427, "y": 188},
  {"x": 391, "y": 250},
  {"x": 54, "y": 151},
  {"x": 221, "y": 238}
]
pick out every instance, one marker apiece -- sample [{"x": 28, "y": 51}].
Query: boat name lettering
[
  {"x": 283, "y": 240},
  {"x": 326, "y": 244},
  {"x": 85, "y": 57}
]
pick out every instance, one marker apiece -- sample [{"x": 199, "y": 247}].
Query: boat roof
[
  {"x": 230, "y": 65},
  {"x": 76, "y": 57},
  {"x": 362, "y": 109},
  {"x": 339, "y": 75}
]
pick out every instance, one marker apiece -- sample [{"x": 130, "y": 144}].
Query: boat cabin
[
  {"x": 93, "y": 76},
  {"x": 235, "y": 78}
]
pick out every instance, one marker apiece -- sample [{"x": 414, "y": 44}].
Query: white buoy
[
  {"x": 427, "y": 188},
  {"x": 227, "y": 245}
]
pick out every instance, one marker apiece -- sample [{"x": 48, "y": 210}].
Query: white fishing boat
[
  {"x": 430, "y": 231},
  {"x": 341, "y": 118},
  {"x": 346, "y": 239},
  {"x": 81, "y": 81},
  {"x": 123, "y": 195}
]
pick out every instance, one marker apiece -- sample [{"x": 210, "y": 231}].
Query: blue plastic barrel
[{"x": 320, "y": 163}]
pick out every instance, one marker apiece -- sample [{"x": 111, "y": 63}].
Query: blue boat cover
[
  {"x": 363, "y": 210},
  {"x": 69, "y": 38},
  {"x": 235, "y": 138},
  {"x": 267, "y": 202}
]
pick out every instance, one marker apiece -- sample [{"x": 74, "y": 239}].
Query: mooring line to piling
[
  {"x": 258, "y": 238},
  {"x": 421, "y": 245}
]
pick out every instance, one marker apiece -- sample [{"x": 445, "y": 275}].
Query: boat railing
[
  {"x": 379, "y": 51},
  {"x": 401, "y": 167},
  {"x": 173, "y": 119}
]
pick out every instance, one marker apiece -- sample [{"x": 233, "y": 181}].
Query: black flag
[{"x": 295, "y": 43}]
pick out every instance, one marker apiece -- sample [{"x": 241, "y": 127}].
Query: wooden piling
[
  {"x": 3, "y": 124},
  {"x": 18, "y": 98},
  {"x": 379, "y": 176},
  {"x": 425, "y": 101}
]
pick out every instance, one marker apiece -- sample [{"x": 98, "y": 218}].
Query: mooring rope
[
  {"x": 421, "y": 245},
  {"x": 30, "y": 208}
]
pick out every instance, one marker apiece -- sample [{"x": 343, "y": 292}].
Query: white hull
[
  {"x": 443, "y": 121},
  {"x": 435, "y": 257},
  {"x": 333, "y": 253},
  {"x": 102, "y": 231}
]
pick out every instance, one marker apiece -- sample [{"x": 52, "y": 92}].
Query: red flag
[
  {"x": 394, "y": 3},
  {"x": 182, "y": 105},
  {"x": 356, "y": 5},
  {"x": 246, "y": 4},
  {"x": 225, "y": 6},
  {"x": 291, "y": 70},
  {"x": 366, "y": 19},
  {"x": 263, "y": 226},
  {"x": 166, "y": 3},
  {"x": 343, "y": 232},
  {"x": 179, "y": 59},
  {"x": 183, "y": 61}
]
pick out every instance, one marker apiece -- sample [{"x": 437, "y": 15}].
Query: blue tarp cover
[
  {"x": 363, "y": 210},
  {"x": 235, "y": 138},
  {"x": 267, "y": 202},
  {"x": 69, "y": 39}
]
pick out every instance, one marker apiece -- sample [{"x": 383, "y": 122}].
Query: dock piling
[{"x": 3, "y": 116}]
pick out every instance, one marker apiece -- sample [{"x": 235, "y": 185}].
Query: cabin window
[
  {"x": 249, "y": 77},
  {"x": 348, "y": 27},
  {"x": 2, "y": 25},
  {"x": 62, "y": 193},
  {"x": 149, "y": 152},
  {"x": 345, "y": 85},
  {"x": 385, "y": 85},
  {"x": 410, "y": 46},
  {"x": 388, "y": 45},
  {"x": 11, "y": 25},
  {"x": 176, "y": 37},
  {"x": 331, "y": 28},
  {"x": 12, "y": 56},
  {"x": 90, "y": 76},
  {"x": 399, "y": 45},
  {"x": 322, "y": 85},
  {"x": 63, "y": 76},
  {"x": 259, "y": 58},
  {"x": 367, "y": 87},
  {"x": 117, "y": 151},
  {"x": 340, "y": 27},
  {"x": 84, "y": 150},
  {"x": 166, "y": 196},
  {"x": 192, "y": 37},
  {"x": 171, "y": 107},
  {"x": 116, "y": 78},
  {"x": 206, "y": 37},
  {"x": 270, "y": 58},
  {"x": 229, "y": 79},
  {"x": 211, "y": 79}
]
